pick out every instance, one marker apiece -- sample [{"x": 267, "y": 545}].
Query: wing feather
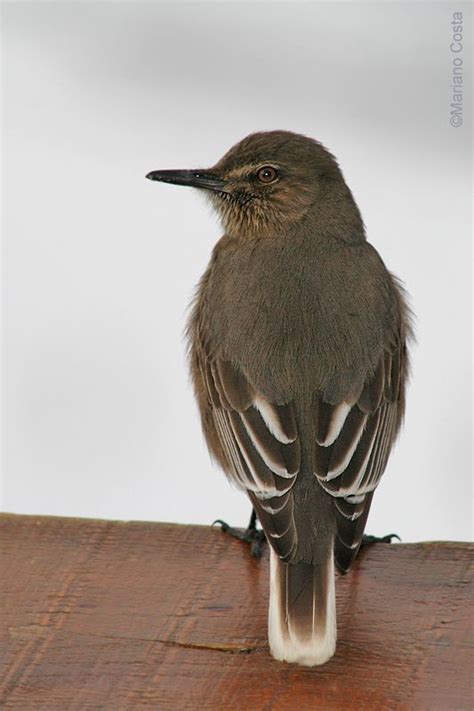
[
  {"x": 349, "y": 467},
  {"x": 260, "y": 445},
  {"x": 260, "y": 449},
  {"x": 347, "y": 442}
]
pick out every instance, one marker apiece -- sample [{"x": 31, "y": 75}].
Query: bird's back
[{"x": 300, "y": 314}]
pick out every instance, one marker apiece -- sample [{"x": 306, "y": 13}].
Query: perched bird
[{"x": 298, "y": 348}]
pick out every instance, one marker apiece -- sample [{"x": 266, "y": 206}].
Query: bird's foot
[
  {"x": 252, "y": 535},
  {"x": 369, "y": 540}
]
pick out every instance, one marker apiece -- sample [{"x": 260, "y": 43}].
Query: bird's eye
[{"x": 267, "y": 174}]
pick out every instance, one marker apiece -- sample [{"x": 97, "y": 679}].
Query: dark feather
[
  {"x": 346, "y": 482},
  {"x": 323, "y": 417},
  {"x": 348, "y": 439},
  {"x": 281, "y": 456},
  {"x": 372, "y": 392},
  {"x": 278, "y": 417},
  {"x": 254, "y": 457},
  {"x": 348, "y": 509},
  {"x": 349, "y": 537},
  {"x": 395, "y": 376},
  {"x": 387, "y": 393},
  {"x": 223, "y": 401},
  {"x": 263, "y": 475},
  {"x": 378, "y": 412},
  {"x": 234, "y": 385},
  {"x": 280, "y": 526},
  {"x": 212, "y": 392}
]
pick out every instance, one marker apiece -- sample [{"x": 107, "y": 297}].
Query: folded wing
[
  {"x": 352, "y": 444},
  {"x": 257, "y": 443},
  {"x": 261, "y": 448}
]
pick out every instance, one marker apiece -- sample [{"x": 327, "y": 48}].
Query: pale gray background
[{"x": 100, "y": 264}]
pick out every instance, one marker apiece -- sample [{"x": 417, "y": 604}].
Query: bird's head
[{"x": 266, "y": 183}]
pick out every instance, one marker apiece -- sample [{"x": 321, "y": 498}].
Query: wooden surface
[{"x": 102, "y": 614}]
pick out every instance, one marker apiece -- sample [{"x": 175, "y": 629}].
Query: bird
[{"x": 298, "y": 341}]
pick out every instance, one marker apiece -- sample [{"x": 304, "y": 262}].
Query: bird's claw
[
  {"x": 255, "y": 537},
  {"x": 369, "y": 540},
  {"x": 224, "y": 526}
]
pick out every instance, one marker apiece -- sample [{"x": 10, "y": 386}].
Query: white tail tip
[{"x": 302, "y": 636}]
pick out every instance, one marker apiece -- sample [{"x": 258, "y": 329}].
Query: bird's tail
[{"x": 302, "y": 613}]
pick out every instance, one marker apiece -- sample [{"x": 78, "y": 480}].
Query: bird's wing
[
  {"x": 257, "y": 444},
  {"x": 352, "y": 445}
]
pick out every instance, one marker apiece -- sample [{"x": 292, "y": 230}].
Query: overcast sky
[{"x": 100, "y": 264}]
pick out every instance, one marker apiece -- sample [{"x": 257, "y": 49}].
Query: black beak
[{"x": 194, "y": 178}]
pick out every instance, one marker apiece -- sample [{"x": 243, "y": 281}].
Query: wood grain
[{"x": 103, "y": 614}]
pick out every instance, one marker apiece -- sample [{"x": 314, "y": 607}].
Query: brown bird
[{"x": 299, "y": 360}]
